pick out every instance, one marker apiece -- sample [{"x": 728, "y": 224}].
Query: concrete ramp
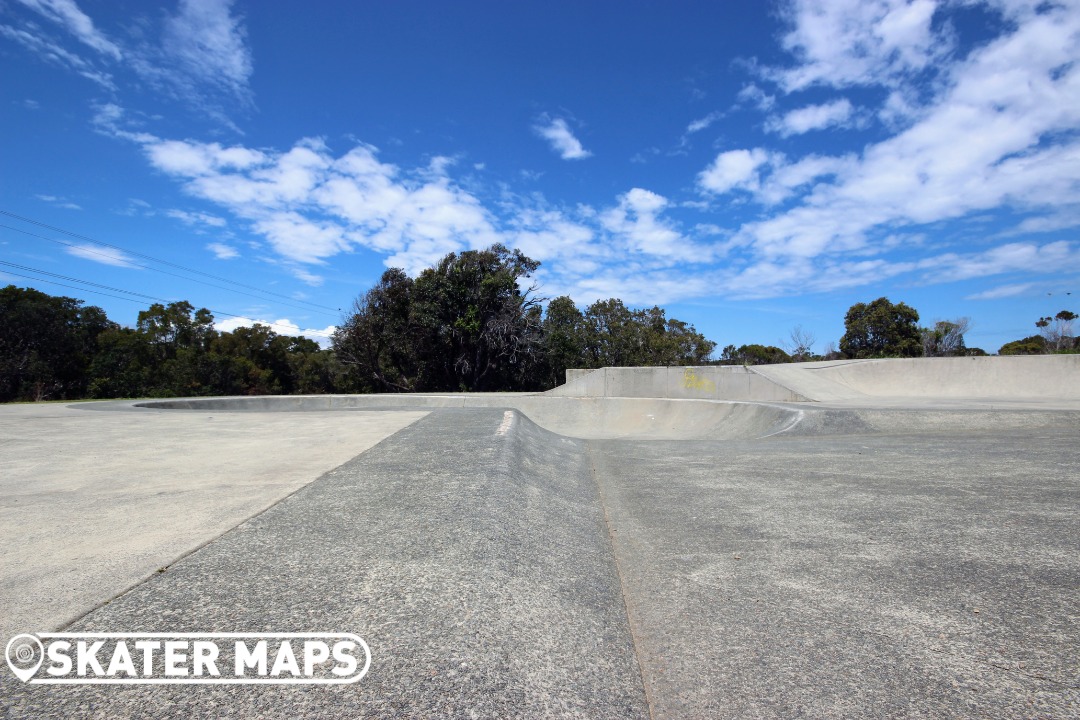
[
  {"x": 1039, "y": 378},
  {"x": 578, "y": 417},
  {"x": 1018, "y": 379},
  {"x": 713, "y": 382}
]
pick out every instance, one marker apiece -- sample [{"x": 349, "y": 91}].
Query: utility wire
[
  {"x": 216, "y": 313},
  {"x": 85, "y": 282},
  {"x": 151, "y": 258},
  {"x": 153, "y": 269}
]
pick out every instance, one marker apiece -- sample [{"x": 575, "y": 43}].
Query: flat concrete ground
[
  {"x": 915, "y": 575},
  {"x": 904, "y": 566},
  {"x": 93, "y": 502}
]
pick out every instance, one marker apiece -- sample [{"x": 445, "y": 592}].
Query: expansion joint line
[{"x": 631, "y": 620}]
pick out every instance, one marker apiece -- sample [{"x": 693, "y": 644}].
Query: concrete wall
[
  {"x": 1037, "y": 376},
  {"x": 728, "y": 382},
  {"x": 572, "y": 375},
  {"x": 582, "y": 417}
]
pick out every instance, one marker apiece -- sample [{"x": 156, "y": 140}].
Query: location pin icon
[{"x": 24, "y": 655}]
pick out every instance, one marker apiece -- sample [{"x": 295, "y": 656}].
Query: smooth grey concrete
[
  {"x": 1023, "y": 381},
  {"x": 674, "y": 558},
  {"x": 92, "y": 503},
  {"x": 1036, "y": 379},
  {"x": 877, "y": 574},
  {"x": 482, "y": 590},
  {"x": 584, "y": 417},
  {"x": 717, "y": 382}
]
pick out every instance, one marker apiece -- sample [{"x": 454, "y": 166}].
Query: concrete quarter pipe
[{"x": 868, "y": 553}]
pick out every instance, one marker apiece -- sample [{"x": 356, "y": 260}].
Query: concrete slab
[
  {"x": 92, "y": 503},
  {"x": 866, "y": 575},
  {"x": 677, "y": 558},
  {"x": 1020, "y": 381}
]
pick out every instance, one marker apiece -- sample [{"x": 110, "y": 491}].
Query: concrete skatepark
[{"x": 893, "y": 538}]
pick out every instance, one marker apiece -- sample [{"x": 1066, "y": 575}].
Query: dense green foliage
[
  {"x": 1034, "y": 345},
  {"x": 754, "y": 355},
  {"x": 945, "y": 339},
  {"x": 462, "y": 325},
  {"x": 881, "y": 329},
  {"x": 470, "y": 323},
  {"x": 54, "y": 348},
  {"x": 1055, "y": 336},
  {"x": 46, "y": 344},
  {"x": 466, "y": 324}
]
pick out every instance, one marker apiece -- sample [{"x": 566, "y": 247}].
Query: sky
[{"x": 752, "y": 167}]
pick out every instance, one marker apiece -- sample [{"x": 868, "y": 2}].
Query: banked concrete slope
[
  {"x": 1038, "y": 380},
  {"x": 578, "y": 417},
  {"x": 714, "y": 382},
  {"x": 1042, "y": 377},
  {"x": 470, "y": 551}
]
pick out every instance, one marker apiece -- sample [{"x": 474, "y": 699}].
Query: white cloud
[
  {"x": 549, "y": 235},
  {"x": 786, "y": 178},
  {"x": 50, "y": 51},
  {"x": 307, "y": 277},
  {"x": 281, "y": 326},
  {"x": 734, "y": 169},
  {"x": 999, "y": 133},
  {"x": 58, "y": 201},
  {"x": 103, "y": 255},
  {"x": 702, "y": 123},
  {"x": 1005, "y": 258},
  {"x": 311, "y": 205},
  {"x": 860, "y": 42},
  {"x": 222, "y": 251},
  {"x": 67, "y": 14},
  {"x": 197, "y": 218},
  {"x": 562, "y": 140},
  {"x": 992, "y": 135},
  {"x": 811, "y": 117},
  {"x": 636, "y": 225},
  {"x": 1002, "y": 291},
  {"x": 757, "y": 97},
  {"x": 208, "y": 44}
]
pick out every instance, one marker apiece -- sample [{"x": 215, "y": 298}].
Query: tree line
[
  {"x": 470, "y": 323},
  {"x": 55, "y": 348}
]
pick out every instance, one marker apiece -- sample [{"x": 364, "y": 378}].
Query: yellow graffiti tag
[{"x": 691, "y": 381}]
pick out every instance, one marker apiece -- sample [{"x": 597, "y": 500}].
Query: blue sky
[{"x": 750, "y": 166}]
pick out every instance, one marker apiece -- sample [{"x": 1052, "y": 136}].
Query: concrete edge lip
[{"x": 579, "y": 417}]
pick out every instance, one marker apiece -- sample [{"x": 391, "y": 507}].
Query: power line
[
  {"x": 216, "y": 313},
  {"x": 151, "y": 258},
  {"x": 85, "y": 282},
  {"x": 151, "y": 269}
]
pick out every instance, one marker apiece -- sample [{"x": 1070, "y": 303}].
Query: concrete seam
[
  {"x": 630, "y": 621},
  {"x": 68, "y": 623}
]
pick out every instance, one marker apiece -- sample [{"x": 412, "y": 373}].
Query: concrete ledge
[
  {"x": 579, "y": 417},
  {"x": 719, "y": 382}
]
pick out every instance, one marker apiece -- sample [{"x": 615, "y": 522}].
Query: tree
[
  {"x": 881, "y": 329},
  {"x": 465, "y": 324},
  {"x": 1057, "y": 330},
  {"x": 377, "y": 343},
  {"x": 754, "y": 355},
  {"x": 1034, "y": 345},
  {"x": 179, "y": 337},
  {"x": 481, "y": 330},
  {"x": 564, "y": 342},
  {"x": 801, "y": 344},
  {"x": 946, "y": 338},
  {"x": 616, "y": 336},
  {"x": 674, "y": 342},
  {"x": 46, "y": 344},
  {"x": 122, "y": 365}
]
